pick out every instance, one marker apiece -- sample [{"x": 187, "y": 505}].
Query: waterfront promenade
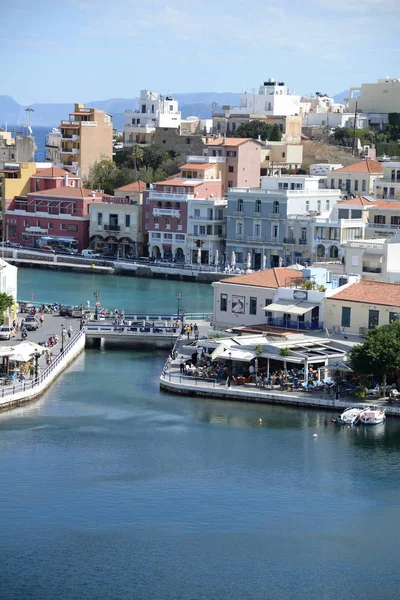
[{"x": 172, "y": 380}]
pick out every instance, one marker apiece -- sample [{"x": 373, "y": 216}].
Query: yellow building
[
  {"x": 358, "y": 178},
  {"x": 360, "y": 306},
  {"x": 15, "y": 182},
  {"x": 85, "y": 138}
]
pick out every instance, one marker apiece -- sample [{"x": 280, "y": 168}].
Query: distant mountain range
[{"x": 50, "y": 115}]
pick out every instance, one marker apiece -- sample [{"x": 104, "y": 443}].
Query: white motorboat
[
  {"x": 373, "y": 415},
  {"x": 351, "y": 416}
]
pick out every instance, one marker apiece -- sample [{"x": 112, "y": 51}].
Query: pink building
[
  {"x": 55, "y": 211},
  {"x": 165, "y": 214},
  {"x": 240, "y": 161}
]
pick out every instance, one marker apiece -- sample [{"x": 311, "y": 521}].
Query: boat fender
[{"x": 315, "y": 435}]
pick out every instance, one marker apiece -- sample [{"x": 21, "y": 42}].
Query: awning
[
  {"x": 287, "y": 306},
  {"x": 232, "y": 354}
]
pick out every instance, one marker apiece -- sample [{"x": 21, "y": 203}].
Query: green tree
[
  {"x": 101, "y": 176},
  {"x": 154, "y": 156},
  {"x": 276, "y": 134},
  {"x": 137, "y": 157},
  {"x": 6, "y": 301},
  {"x": 380, "y": 354},
  {"x": 254, "y": 129}
]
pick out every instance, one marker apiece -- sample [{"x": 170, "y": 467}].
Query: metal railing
[
  {"x": 112, "y": 227},
  {"x": 291, "y": 324},
  {"x": 31, "y": 384},
  {"x": 371, "y": 269}
]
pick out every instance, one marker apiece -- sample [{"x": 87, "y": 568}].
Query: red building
[{"x": 55, "y": 211}]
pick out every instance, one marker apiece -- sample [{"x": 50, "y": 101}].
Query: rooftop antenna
[{"x": 29, "y": 110}]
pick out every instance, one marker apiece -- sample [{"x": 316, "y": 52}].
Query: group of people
[{"x": 190, "y": 330}]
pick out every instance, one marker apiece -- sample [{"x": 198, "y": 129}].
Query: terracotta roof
[
  {"x": 370, "y": 202},
  {"x": 198, "y": 166},
  {"x": 54, "y": 172},
  {"x": 269, "y": 278},
  {"x": 135, "y": 186},
  {"x": 230, "y": 141},
  {"x": 67, "y": 192},
  {"x": 370, "y": 292},
  {"x": 363, "y": 166}
]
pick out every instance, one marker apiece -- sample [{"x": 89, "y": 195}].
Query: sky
[{"x": 61, "y": 51}]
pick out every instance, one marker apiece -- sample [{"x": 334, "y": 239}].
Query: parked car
[
  {"x": 8, "y": 244},
  {"x": 26, "y": 307},
  {"x": 7, "y": 332},
  {"x": 88, "y": 253},
  {"x": 65, "y": 251},
  {"x": 48, "y": 249},
  {"x": 65, "y": 311},
  {"x": 31, "y": 323}
]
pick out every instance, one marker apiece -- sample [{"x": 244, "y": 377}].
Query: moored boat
[
  {"x": 351, "y": 416},
  {"x": 373, "y": 415}
]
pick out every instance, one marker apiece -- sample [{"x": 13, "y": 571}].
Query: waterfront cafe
[
  {"x": 298, "y": 353},
  {"x": 14, "y": 358}
]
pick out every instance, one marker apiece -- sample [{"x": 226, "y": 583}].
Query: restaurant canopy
[{"x": 290, "y": 307}]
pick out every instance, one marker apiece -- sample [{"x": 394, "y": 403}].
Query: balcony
[
  {"x": 383, "y": 226},
  {"x": 168, "y": 196},
  {"x": 206, "y": 159},
  {"x": 167, "y": 212},
  {"x": 112, "y": 228},
  {"x": 303, "y": 242},
  {"x": 371, "y": 269},
  {"x": 275, "y": 216},
  {"x": 254, "y": 238},
  {"x": 289, "y": 240},
  {"x": 238, "y": 213}
]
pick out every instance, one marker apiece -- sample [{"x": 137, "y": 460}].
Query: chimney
[{"x": 65, "y": 179}]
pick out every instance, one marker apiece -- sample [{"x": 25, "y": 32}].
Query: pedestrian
[
  {"x": 31, "y": 370},
  {"x": 188, "y": 331},
  {"x": 191, "y": 327},
  {"x": 70, "y": 330},
  {"x": 41, "y": 319},
  {"x": 228, "y": 381},
  {"x": 182, "y": 367}
]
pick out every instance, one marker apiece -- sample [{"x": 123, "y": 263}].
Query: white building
[
  {"x": 8, "y": 285},
  {"x": 335, "y": 119},
  {"x": 376, "y": 259},
  {"x": 206, "y": 221},
  {"x": 388, "y": 188},
  {"x": 154, "y": 111},
  {"x": 273, "y": 99},
  {"x": 378, "y": 98},
  {"x": 320, "y": 103},
  {"x": 323, "y": 169},
  {"x": 53, "y": 145}
]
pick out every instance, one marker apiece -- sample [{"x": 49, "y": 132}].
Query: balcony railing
[
  {"x": 291, "y": 324},
  {"x": 289, "y": 240},
  {"x": 112, "y": 228},
  {"x": 253, "y": 238},
  {"x": 166, "y": 212},
  {"x": 275, "y": 215},
  {"x": 371, "y": 269},
  {"x": 238, "y": 213},
  {"x": 303, "y": 242},
  {"x": 383, "y": 225}
]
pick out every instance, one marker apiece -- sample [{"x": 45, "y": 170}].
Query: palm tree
[{"x": 137, "y": 157}]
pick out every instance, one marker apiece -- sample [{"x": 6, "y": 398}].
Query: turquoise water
[
  {"x": 130, "y": 293},
  {"x": 112, "y": 489}
]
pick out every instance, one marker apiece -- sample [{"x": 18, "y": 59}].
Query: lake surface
[{"x": 112, "y": 489}]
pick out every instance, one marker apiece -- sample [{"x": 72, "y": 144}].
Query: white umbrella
[
  {"x": 216, "y": 260},
  {"x": 199, "y": 256},
  {"x": 233, "y": 259},
  {"x": 248, "y": 260},
  {"x": 264, "y": 262}
]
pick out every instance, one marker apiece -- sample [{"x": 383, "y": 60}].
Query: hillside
[{"x": 318, "y": 152}]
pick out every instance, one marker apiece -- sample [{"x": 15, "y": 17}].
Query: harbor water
[{"x": 113, "y": 489}]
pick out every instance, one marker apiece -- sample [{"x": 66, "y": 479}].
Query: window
[
  {"x": 327, "y": 205},
  {"x": 356, "y": 214},
  {"x": 127, "y": 220},
  {"x": 37, "y": 223},
  {"x": 318, "y": 205},
  {"x": 253, "y": 306},
  {"x": 348, "y": 185},
  {"x": 197, "y": 212},
  {"x": 343, "y": 213},
  {"x": 356, "y": 185},
  {"x": 257, "y": 230},
  {"x": 63, "y": 226},
  {"x": 275, "y": 208},
  {"x": 202, "y": 230},
  {"x": 373, "y": 319},
  {"x": 230, "y": 169},
  {"x": 26, "y": 223},
  {"x": 332, "y": 184},
  {"x": 304, "y": 233},
  {"x": 380, "y": 219},
  {"x": 393, "y": 316},
  {"x": 275, "y": 231},
  {"x": 346, "y": 315},
  {"x": 188, "y": 140},
  {"x": 37, "y": 185},
  {"x": 224, "y": 302},
  {"x": 240, "y": 205},
  {"x": 307, "y": 205},
  {"x": 230, "y": 184},
  {"x": 364, "y": 185},
  {"x": 50, "y": 226},
  {"x": 340, "y": 184},
  {"x": 239, "y": 228},
  {"x": 395, "y": 220},
  {"x": 257, "y": 207},
  {"x": 268, "y": 313},
  {"x": 231, "y": 153},
  {"x": 100, "y": 219}
]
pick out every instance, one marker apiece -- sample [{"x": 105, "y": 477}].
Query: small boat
[
  {"x": 351, "y": 416},
  {"x": 373, "y": 415}
]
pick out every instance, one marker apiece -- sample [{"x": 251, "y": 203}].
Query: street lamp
[
  {"x": 96, "y": 294},
  {"x": 62, "y": 338},
  {"x": 179, "y": 298}
]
